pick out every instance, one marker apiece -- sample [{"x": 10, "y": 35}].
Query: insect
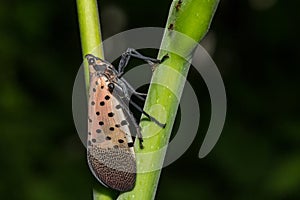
[{"x": 111, "y": 125}]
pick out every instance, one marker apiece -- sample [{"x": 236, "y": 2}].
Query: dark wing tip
[{"x": 115, "y": 169}]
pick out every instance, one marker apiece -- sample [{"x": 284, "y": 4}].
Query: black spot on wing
[
  {"x": 130, "y": 144},
  {"x": 124, "y": 122},
  {"x": 118, "y": 106},
  {"x": 107, "y": 97}
]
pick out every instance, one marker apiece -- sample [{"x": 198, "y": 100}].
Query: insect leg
[
  {"x": 138, "y": 131},
  {"x": 147, "y": 115},
  {"x": 132, "y": 90},
  {"x": 126, "y": 98},
  {"x": 140, "y": 136},
  {"x": 125, "y": 101},
  {"x": 132, "y": 52}
]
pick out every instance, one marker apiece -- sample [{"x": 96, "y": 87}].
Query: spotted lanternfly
[{"x": 111, "y": 125}]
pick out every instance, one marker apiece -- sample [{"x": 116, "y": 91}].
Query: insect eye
[
  {"x": 91, "y": 61},
  {"x": 111, "y": 86}
]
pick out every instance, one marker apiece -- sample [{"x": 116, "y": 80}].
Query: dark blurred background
[{"x": 255, "y": 45}]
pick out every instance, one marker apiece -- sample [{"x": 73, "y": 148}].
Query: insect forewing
[{"x": 110, "y": 148}]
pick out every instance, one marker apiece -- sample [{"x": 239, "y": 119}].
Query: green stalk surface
[
  {"x": 192, "y": 18},
  {"x": 90, "y": 31},
  {"x": 90, "y": 35}
]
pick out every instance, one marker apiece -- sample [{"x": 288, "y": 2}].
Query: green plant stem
[
  {"x": 90, "y": 34},
  {"x": 90, "y": 31},
  {"x": 193, "y": 19}
]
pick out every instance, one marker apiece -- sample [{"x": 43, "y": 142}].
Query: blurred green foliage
[{"x": 254, "y": 44}]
